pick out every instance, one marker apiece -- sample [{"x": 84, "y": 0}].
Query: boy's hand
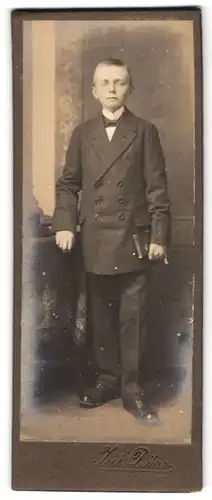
[
  {"x": 65, "y": 240},
  {"x": 157, "y": 252}
]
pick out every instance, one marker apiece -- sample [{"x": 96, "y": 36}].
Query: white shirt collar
[{"x": 113, "y": 116}]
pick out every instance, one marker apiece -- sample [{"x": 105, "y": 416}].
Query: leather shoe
[
  {"x": 144, "y": 413},
  {"x": 97, "y": 396}
]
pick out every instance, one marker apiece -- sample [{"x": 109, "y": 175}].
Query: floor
[{"x": 62, "y": 420}]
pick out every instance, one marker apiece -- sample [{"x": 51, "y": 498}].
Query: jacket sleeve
[
  {"x": 156, "y": 187},
  {"x": 68, "y": 187}
]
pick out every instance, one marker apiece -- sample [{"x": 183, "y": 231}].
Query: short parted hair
[{"x": 112, "y": 61}]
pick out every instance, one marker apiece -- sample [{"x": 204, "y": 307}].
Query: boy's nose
[{"x": 112, "y": 88}]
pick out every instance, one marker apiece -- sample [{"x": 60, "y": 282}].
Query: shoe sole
[
  {"x": 89, "y": 405},
  {"x": 152, "y": 422},
  {"x": 83, "y": 404}
]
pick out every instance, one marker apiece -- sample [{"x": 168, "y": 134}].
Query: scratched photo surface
[{"x": 57, "y": 355}]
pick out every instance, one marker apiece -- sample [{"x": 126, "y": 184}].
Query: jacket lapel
[{"x": 109, "y": 151}]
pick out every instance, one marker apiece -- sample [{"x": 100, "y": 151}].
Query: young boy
[{"x": 116, "y": 160}]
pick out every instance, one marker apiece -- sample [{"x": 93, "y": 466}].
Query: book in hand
[{"x": 143, "y": 250}]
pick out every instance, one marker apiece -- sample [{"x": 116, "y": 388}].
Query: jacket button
[
  {"x": 121, "y": 200},
  {"x": 98, "y": 200},
  {"x": 121, "y": 216},
  {"x": 119, "y": 183},
  {"x": 98, "y": 184},
  {"x": 97, "y": 216}
]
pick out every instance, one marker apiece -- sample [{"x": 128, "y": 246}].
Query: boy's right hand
[{"x": 65, "y": 240}]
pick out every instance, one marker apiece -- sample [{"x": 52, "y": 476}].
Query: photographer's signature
[{"x": 138, "y": 459}]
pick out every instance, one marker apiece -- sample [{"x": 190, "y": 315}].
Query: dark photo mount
[{"x": 52, "y": 464}]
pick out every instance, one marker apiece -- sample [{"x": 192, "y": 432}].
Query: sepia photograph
[{"x": 110, "y": 239}]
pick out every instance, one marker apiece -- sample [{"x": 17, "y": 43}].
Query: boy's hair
[{"x": 112, "y": 61}]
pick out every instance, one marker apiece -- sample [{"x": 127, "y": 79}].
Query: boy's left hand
[{"x": 157, "y": 252}]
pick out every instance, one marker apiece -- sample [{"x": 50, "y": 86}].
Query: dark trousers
[{"x": 118, "y": 306}]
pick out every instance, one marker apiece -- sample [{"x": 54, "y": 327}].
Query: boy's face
[{"x": 111, "y": 86}]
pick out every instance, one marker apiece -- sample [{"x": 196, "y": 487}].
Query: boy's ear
[
  {"x": 131, "y": 88},
  {"x": 94, "y": 91}
]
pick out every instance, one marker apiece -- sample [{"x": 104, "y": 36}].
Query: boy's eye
[{"x": 122, "y": 83}]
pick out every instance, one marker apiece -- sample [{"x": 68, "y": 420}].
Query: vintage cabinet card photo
[{"x": 108, "y": 170}]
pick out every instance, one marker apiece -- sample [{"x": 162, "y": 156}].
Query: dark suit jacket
[{"x": 124, "y": 191}]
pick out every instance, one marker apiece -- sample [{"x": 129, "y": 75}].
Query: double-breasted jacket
[{"x": 123, "y": 187}]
